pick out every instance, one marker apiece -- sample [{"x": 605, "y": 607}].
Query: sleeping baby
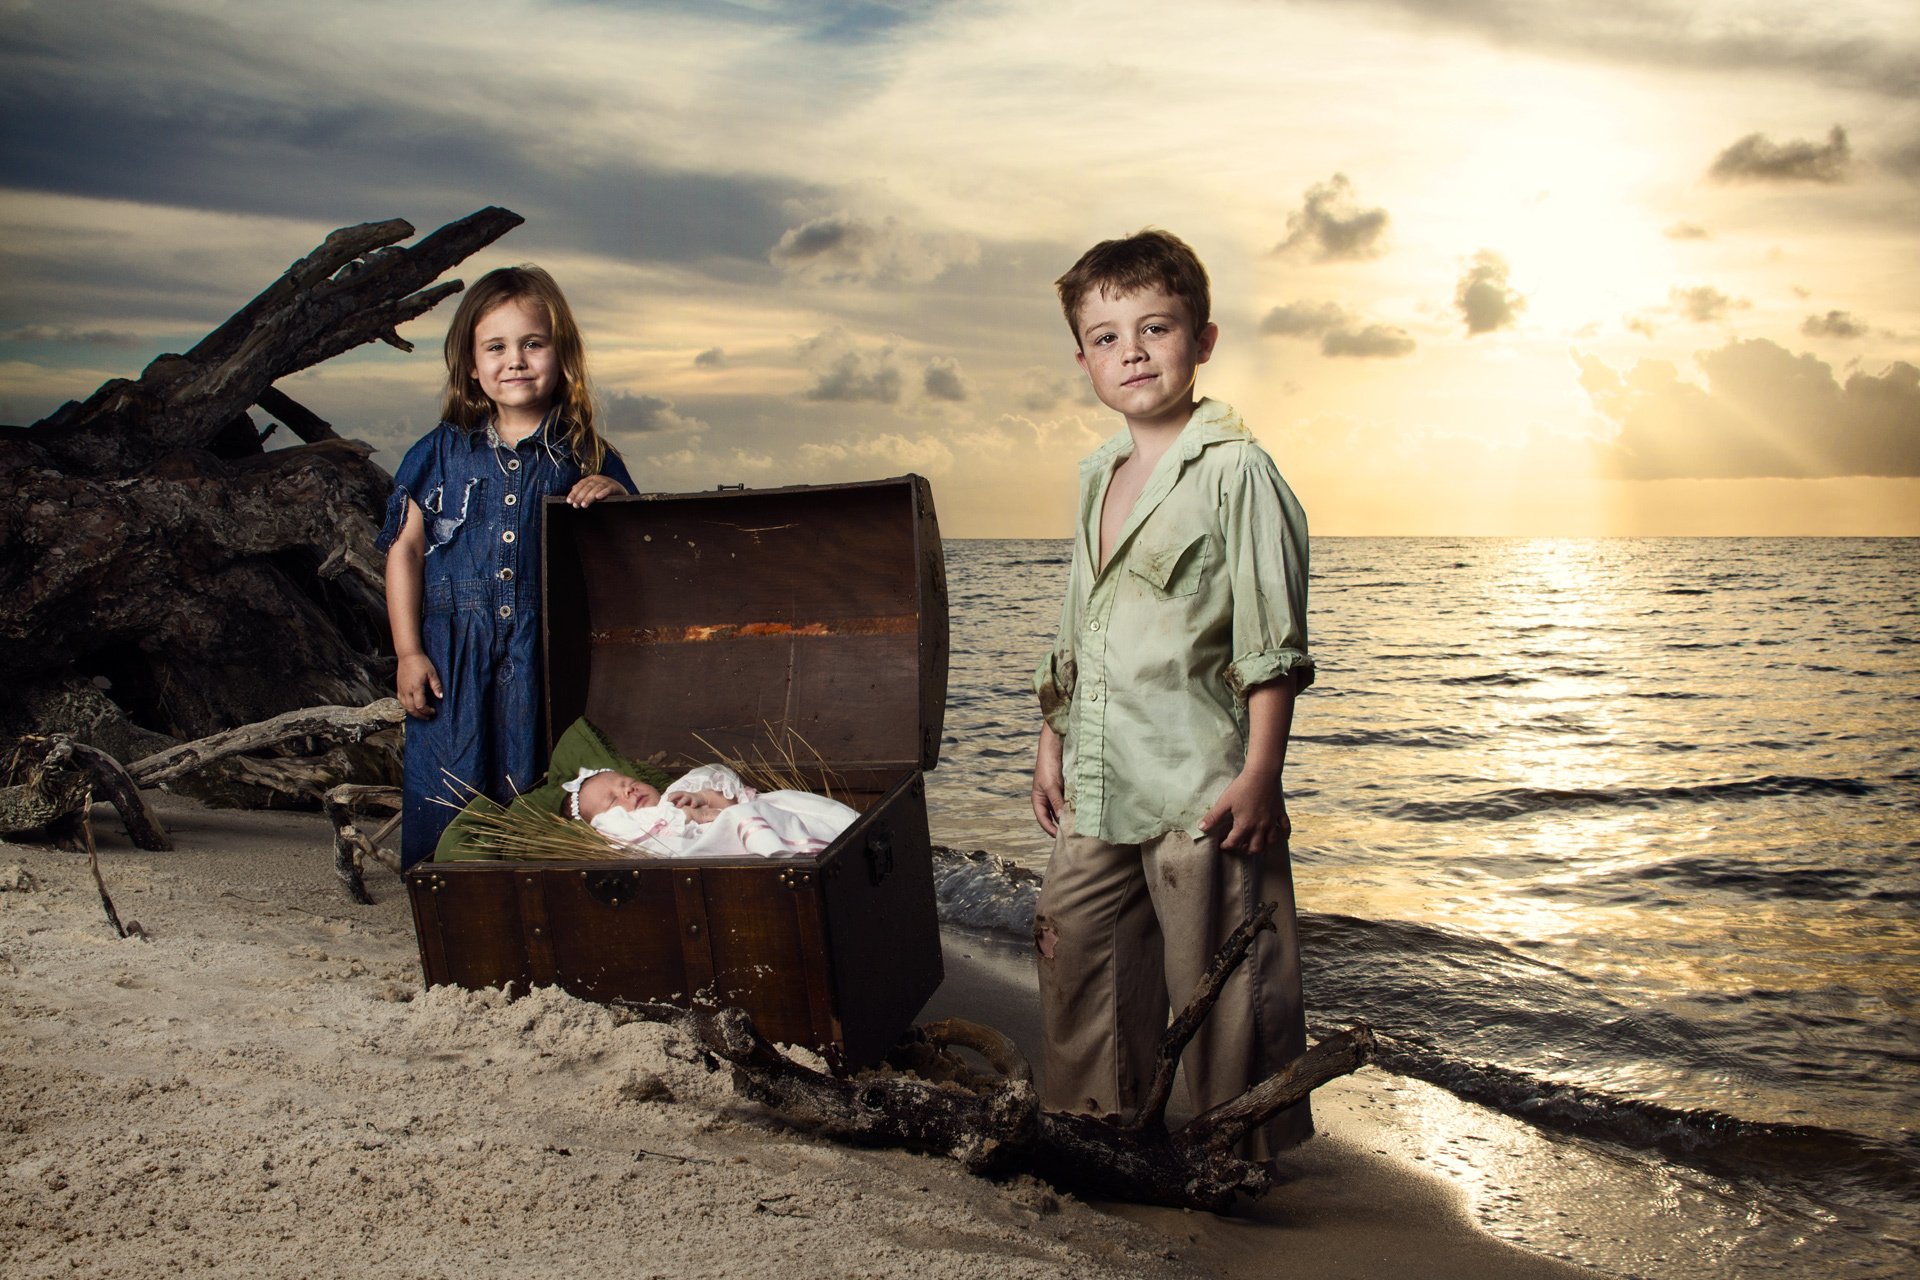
[{"x": 709, "y": 811}]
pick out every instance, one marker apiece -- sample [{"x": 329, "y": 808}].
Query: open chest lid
[{"x": 788, "y": 625}]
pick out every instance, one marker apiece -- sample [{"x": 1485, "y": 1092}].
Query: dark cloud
[
  {"x": 1334, "y": 225},
  {"x": 1483, "y": 298},
  {"x": 840, "y": 248},
  {"x": 1704, "y": 304},
  {"x": 1340, "y": 332},
  {"x": 1686, "y": 231},
  {"x": 1755, "y": 158},
  {"x": 1834, "y": 324},
  {"x": 624, "y": 411},
  {"x": 1764, "y": 412},
  {"x": 1676, "y": 33},
  {"x": 711, "y": 358},
  {"x": 942, "y": 379},
  {"x": 120, "y": 102},
  {"x": 50, "y": 333},
  {"x": 843, "y": 373}
]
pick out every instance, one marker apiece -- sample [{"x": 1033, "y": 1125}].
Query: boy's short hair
[{"x": 1143, "y": 260}]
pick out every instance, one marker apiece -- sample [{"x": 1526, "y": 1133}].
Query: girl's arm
[{"x": 406, "y": 594}]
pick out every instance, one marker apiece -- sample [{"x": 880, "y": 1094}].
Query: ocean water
[{"x": 1616, "y": 836}]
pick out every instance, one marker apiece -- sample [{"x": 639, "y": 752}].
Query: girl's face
[
  {"x": 604, "y": 791},
  {"x": 514, "y": 361}
]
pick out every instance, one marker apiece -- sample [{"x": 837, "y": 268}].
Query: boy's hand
[
  {"x": 1255, "y": 811},
  {"x": 591, "y": 489},
  {"x": 1049, "y": 782},
  {"x": 411, "y": 682}
]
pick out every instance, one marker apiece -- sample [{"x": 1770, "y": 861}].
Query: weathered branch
[
  {"x": 352, "y": 847},
  {"x": 993, "y": 1124},
  {"x": 112, "y": 782},
  {"x": 359, "y": 286},
  {"x": 1179, "y": 1032},
  {"x": 333, "y": 724}
]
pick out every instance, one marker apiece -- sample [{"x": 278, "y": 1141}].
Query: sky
[{"x": 1480, "y": 267}]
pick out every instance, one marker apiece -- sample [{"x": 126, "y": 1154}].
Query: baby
[{"x": 709, "y": 811}]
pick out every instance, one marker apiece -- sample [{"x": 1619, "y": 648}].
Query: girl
[{"x": 462, "y": 539}]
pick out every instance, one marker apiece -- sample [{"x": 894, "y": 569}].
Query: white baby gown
[{"x": 768, "y": 823}]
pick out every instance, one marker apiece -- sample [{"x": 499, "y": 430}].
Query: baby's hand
[
  {"x": 591, "y": 489},
  {"x": 411, "y": 681},
  {"x": 701, "y": 806}
]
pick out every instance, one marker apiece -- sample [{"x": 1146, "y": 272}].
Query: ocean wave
[
  {"x": 1519, "y": 802},
  {"x": 1491, "y": 678},
  {"x": 980, "y": 890},
  {"x": 1426, "y": 736}
]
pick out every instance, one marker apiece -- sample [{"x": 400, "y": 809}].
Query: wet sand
[{"x": 258, "y": 1086}]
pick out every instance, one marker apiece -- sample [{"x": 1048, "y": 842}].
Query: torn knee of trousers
[{"x": 1044, "y": 938}]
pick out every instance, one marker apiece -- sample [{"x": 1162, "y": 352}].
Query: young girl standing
[{"x": 462, "y": 538}]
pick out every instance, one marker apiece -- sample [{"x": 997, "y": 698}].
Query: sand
[{"x": 256, "y": 1084}]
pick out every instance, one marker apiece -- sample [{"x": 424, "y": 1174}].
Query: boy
[{"x": 1166, "y": 704}]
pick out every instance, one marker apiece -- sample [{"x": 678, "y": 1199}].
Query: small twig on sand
[{"x": 93, "y": 858}]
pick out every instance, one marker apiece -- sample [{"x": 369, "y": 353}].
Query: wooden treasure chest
[{"x": 805, "y": 624}]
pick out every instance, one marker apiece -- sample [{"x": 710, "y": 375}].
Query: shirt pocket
[
  {"x": 1172, "y": 570},
  {"x": 446, "y": 508}
]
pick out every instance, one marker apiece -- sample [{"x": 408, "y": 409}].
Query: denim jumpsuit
[{"x": 481, "y": 500}]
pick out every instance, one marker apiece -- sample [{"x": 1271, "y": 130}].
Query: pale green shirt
[{"x": 1205, "y": 598}]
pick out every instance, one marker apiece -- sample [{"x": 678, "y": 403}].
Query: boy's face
[
  {"x": 604, "y": 791},
  {"x": 1140, "y": 350}
]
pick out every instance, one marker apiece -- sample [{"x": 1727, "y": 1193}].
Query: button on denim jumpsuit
[{"x": 481, "y": 627}]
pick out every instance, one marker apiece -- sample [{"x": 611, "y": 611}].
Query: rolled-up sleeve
[
  {"x": 1054, "y": 679},
  {"x": 1265, "y": 531}
]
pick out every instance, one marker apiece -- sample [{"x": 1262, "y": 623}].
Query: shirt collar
[{"x": 1212, "y": 422}]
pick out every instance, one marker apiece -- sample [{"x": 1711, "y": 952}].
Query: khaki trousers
[{"x": 1124, "y": 933}]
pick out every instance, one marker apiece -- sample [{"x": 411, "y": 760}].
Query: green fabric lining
[{"x": 582, "y": 746}]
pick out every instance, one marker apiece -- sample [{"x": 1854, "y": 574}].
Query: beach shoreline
[{"x": 259, "y": 1084}]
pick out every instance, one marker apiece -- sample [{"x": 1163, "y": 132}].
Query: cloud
[
  {"x": 942, "y": 379},
  {"x": 1339, "y": 331},
  {"x": 1042, "y": 389},
  {"x": 1757, "y": 159},
  {"x": 67, "y": 334},
  {"x": 132, "y": 101},
  {"x": 928, "y": 455},
  {"x": 842, "y": 249},
  {"x": 1704, "y": 304},
  {"x": 1304, "y": 319},
  {"x": 1834, "y": 324},
  {"x": 846, "y": 373},
  {"x": 1376, "y": 340},
  {"x": 1763, "y": 412},
  {"x": 1483, "y": 298},
  {"x": 1334, "y": 225},
  {"x": 1687, "y": 231},
  {"x": 1865, "y": 49},
  {"x": 627, "y": 412},
  {"x": 711, "y": 358}
]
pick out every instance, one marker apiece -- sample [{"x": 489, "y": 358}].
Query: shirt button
[
  {"x": 506, "y": 575},
  {"x": 506, "y": 611},
  {"x": 1094, "y": 625},
  {"x": 513, "y": 464},
  {"x": 507, "y": 536},
  {"x": 512, "y": 498},
  {"x": 1093, "y": 695}
]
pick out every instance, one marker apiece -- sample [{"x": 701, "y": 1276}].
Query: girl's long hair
[{"x": 467, "y": 408}]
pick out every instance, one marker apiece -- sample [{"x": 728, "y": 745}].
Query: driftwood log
[
  {"x": 51, "y": 778},
  {"x": 150, "y": 544},
  {"x": 992, "y": 1123}
]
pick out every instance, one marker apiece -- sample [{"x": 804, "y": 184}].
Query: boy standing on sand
[{"x": 1167, "y": 700}]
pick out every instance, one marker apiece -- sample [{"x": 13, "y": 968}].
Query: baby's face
[{"x": 604, "y": 791}]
